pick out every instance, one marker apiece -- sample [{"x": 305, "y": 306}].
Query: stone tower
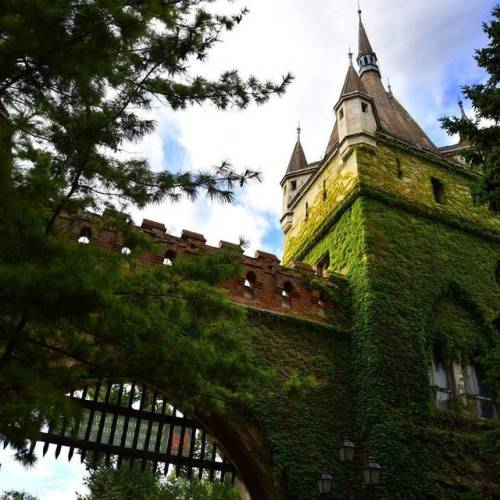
[{"x": 392, "y": 212}]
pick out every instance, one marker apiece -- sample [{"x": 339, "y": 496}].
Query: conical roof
[
  {"x": 298, "y": 159},
  {"x": 352, "y": 82},
  {"x": 364, "y": 46}
]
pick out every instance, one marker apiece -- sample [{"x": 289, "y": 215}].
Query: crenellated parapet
[{"x": 263, "y": 284}]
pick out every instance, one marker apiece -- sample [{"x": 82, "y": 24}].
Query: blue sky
[{"x": 424, "y": 47}]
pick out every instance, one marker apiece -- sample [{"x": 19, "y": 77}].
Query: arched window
[
  {"x": 169, "y": 258},
  {"x": 286, "y": 295},
  {"x": 85, "y": 236},
  {"x": 249, "y": 286},
  {"x": 126, "y": 251}
]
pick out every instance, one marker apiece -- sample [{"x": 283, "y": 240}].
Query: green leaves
[{"x": 483, "y": 134}]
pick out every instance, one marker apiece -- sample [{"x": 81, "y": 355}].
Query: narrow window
[
  {"x": 438, "y": 190},
  {"x": 169, "y": 258},
  {"x": 85, "y": 235},
  {"x": 249, "y": 286},
  {"x": 323, "y": 265},
  {"x": 484, "y": 406},
  {"x": 325, "y": 194},
  {"x": 341, "y": 113},
  {"x": 307, "y": 210},
  {"x": 364, "y": 107},
  {"x": 441, "y": 380},
  {"x": 286, "y": 295},
  {"x": 294, "y": 185},
  {"x": 399, "y": 170}
]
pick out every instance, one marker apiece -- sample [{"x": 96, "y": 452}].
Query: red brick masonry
[{"x": 264, "y": 283}]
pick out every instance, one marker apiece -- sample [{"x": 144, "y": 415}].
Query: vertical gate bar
[
  {"x": 169, "y": 446},
  {"x": 202, "y": 451},
  {"x": 223, "y": 472},
  {"x": 148, "y": 432},
  {"x": 191, "y": 451},
  {"x": 138, "y": 423},
  {"x": 214, "y": 454},
  {"x": 125, "y": 423},
  {"x": 115, "y": 417},
  {"x": 181, "y": 449},
  {"x": 103, "y": 416},
  {"x": 159, "y": 434},
  {"x": 91, "y": 419},
  {"x": 114, "y": 422}
]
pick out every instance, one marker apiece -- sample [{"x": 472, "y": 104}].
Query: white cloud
[{"x": 426, "y": 49}]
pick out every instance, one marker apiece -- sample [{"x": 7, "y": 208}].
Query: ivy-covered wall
[
  {"x": 422, "y": 277},
  {"x": 302, "y": 424}
]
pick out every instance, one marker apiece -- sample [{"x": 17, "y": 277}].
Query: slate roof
[{"x": 298, "y": 159}]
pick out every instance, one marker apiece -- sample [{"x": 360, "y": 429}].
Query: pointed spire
[
  {"x": 352, "y": 82},
  {"x": 298, "y": 159},
  {"x": 367, "y": 59}
]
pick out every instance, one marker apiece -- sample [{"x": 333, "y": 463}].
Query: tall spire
[
  {"x": 298, "y": 159},
  {"x": 367, "y": 59}
]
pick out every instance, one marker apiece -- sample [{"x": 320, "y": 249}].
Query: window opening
[
  {"x": 323, "y": 265},
  {"x": 169, "y": 258},
  {"x": 249, "y": 286},
  {"x": 438, "y": 190},
  {"x": 85, "y": 235},
  {"x": 341, "y": 113},
  {"x": 286, "y": 295},
  {"x": 325, "y": 194},
  {"x": 441, "y": 380},
  {"x": 307, "y": 210},
  {"x": 294, "y": 185},
  {"x": 484, "y": 405},
  {"x": 364, "y": 107}
]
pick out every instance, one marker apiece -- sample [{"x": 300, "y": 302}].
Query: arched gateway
[{"x": 139, "y": 424}]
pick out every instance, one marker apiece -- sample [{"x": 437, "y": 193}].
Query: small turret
[
  {"x": 296, "y": 175},
  {"x": 355, "y": 111}
]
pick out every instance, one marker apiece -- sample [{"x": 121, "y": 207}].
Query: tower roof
[
  {"x": 298, "y": 159},
  {"x": 352, "y": 82},
  {"x": 364, "y": 45}
]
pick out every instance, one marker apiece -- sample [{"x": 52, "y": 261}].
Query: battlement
[{"x": 264, "y": 283}]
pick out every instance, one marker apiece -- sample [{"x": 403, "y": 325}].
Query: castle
[{"x": 386, "y": 222}]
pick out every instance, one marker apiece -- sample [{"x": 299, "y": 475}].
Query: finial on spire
[
  {"x": 389, "y": 86},
  {"x": 350, "y": 54},
  {"x": 359, "y": 11},
  {"x": 298, "y": 132}
]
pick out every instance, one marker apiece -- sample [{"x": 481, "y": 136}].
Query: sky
[{"x": 425, "y": 48}]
